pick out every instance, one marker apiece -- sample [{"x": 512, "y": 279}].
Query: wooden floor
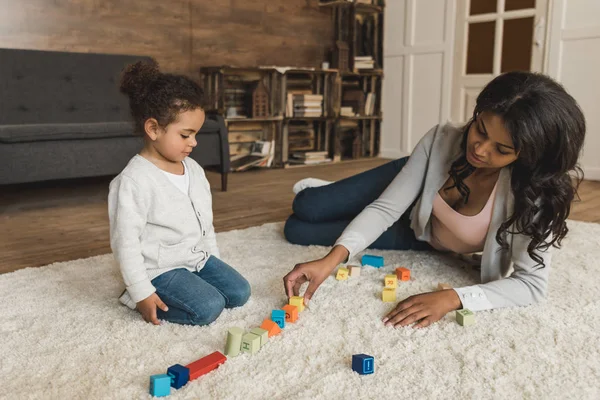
[{"x": 67, "y": 220}]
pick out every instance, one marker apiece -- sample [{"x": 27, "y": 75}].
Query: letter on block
[
  {"x": 278, "y": 316},
  {"x": 388, "y": 295},
  {"x": 354, "y": 271},
  {"x": 271, "y": 327},
  {"x": 262, "y": 333},
  {"x": 234, "y": 342},
  {"x": 374, "y": 261},
  {"x": 342, "y": 274},
  {"x": 250, "y": 343},
  {"x": 297, "y": 301},
  {"x": 391, "y": 281},
  {"x": 403, "y": 274},
  {"x": 465, "y": 317},
  {"x": 205, "y": 365},
  {"x": 160, "y": 385},
  {"x": 443, "y": 286},
  {"x": 363, "y": 364},
  {"x": 179, "y": 374},
  {"x": 291, "y": 313}
]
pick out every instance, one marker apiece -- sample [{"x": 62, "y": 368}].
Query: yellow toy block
[
  {"x": 354, "y": 271},
  {"x": 443, "y": 286},
  {"x": 297, "y": 301},
  {"x": 391, "y": 281},
  {"x": 389, "y": 295},
  {"x": 342, "y": 274}
]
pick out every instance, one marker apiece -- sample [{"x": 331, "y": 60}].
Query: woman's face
[{"x": 489, "y": 145}]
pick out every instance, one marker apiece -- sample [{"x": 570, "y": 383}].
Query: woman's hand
[
  {"x": 147, "y": 308},
  {"x": 424, "y": 308}
]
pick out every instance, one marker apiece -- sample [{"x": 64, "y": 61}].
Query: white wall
[{"x": 418, "y": 46}]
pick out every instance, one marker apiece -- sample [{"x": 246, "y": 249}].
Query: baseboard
[
  {"x": 591, "y": 174},
  {"x": 392, "y": 153}
]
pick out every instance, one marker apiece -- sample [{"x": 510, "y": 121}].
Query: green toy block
[
  {"x": 465, "y": 317},
  {"x": 262, "y": 333},
  {"x": 250, "y": 343},
  {"x": 234, "y": 342}
]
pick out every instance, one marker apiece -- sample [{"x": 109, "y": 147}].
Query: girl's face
[
  {"x": 178, "y": 139},
  {"x": 489, "y": 145}
]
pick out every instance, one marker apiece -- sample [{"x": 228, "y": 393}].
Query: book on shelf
[
  {"x": 261, "y": 155},
  {"x": 304, "y": 105},
  {"x": 309, "y": 158},
  {"x": 347, "y": 112}
]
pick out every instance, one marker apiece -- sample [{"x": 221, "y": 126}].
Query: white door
[
  {"x": 492, "y": 37},
  {"x": 574, "y": 60},
  {"x": 418, "y": 46}
]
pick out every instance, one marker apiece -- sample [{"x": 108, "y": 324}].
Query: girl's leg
[
  {"x": 234, "y": 288},
  {"x": 399, "y": 236},
  {"x": 345, "y": 199},
  {"x": 191, "y": 300}
]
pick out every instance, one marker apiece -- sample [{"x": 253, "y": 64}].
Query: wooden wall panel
[{"x": 181, "y": 34}]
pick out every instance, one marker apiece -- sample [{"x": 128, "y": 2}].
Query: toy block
[
  {"x": 250, "y": 343},
  {"x": 160, "y": 385},
  {"x": 342, "y": 274},
  {"x": 263, "y": 334},
  {"x": 363, "y": 364},
  {"x": 271, "y": 327},
  {"x": 278, "y": 316},
  {"x": 354, "y": 271},
  {"x": 234, "y": 342},
  {"x": 206, "y": 364},
  {"x": 391, "y": 281},
  {"x": 297, "y": 301},
  {"x": 465, "y": 317},
  {"x": 374, "y": 261},
  {"x": 403, "y": 274},
  {"x": 291, "y": 313},
  {"x": 443, "y": 286},
  {"x": 179, "y": 374},
  {"x": 388, "y": 295}
]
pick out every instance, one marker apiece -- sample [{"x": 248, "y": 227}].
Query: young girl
[
  {"x": 160, "y": 209},
  {"x": 500, "y": 185}
]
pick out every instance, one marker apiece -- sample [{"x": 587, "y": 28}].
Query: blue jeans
[
  {"x": 198, "y": 298},
  {"x": 322, "y": 213}
]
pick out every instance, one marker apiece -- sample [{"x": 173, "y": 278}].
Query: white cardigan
[
  {"x": 510, "y": 276},
  {"x": 155, "y": 228}
]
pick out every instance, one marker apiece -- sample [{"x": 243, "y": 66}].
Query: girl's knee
[
  {"x": 209, "y": 312},
  {"x": 240, "y": 295},
  {"x": 291, "y": 230}
]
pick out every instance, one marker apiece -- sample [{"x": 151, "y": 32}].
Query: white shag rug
[{"x": 64, "y": 335}]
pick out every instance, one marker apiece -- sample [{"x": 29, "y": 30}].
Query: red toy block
[
  {"x": 271, "y": 327},
  {"x": 403, "y": 274},
  {"x": 205, "y": 364},
  {"x": 291, "y": 313}
]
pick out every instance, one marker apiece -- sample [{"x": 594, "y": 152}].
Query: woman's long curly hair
[
  {"x": 153, "y": 94},
  {"x": 547, "y": 128}
]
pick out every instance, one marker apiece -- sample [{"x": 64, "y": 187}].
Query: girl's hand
[
  {"x": 424, "y": 308},
  {"x": 147, "y": 308}
]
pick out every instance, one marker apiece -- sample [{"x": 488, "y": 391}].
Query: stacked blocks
[
  {"x": 389, "y": 295},
  {"x": 271, "y": 327},
  {"x": 391, "y": 282},
  {"x": 374, "y": 261},
  {"x": 297, "y": 301},
  {"x": 342, "y": 274},
  {"x": 354, "y": 271},
  {"x": 234, "y": 341},
  {"x": 263, "y": 334},
  {"x": 403, "y": 274},
  {"x": 179, "y": 375},
  {"x": 291, "y": 313},
  {"x": 465, "y": 317},
  {"x": 251, "y": 343},
  {"x": 278, "y": 316},
  {"x": 205, "y": 365},
  {"x": 363, "y": 364},
  {"x": 160, "y": 385}
]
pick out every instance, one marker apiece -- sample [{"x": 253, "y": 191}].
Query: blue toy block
[
  {"x": 278, "y": 316},
  {"x": 374, "y": 261},
  {"x": 363, "y": 364},
  {"x": 160, "y": 385},
  {"x": 179, "y": 374}
]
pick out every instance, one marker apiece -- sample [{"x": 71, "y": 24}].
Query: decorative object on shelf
[
  {"x": 260, "y": 100},
  {"x": 341, "y": 56}
]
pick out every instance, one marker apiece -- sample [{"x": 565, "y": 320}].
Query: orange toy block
[
  {"x": 206, "y": 364},
  {"x": 403, "y": 274},
  {"x": 291, "y": 313},
  {"x": 271, "y": 327}
]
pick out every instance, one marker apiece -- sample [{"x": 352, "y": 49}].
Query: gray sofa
[{"x": 62, "y": 116}]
